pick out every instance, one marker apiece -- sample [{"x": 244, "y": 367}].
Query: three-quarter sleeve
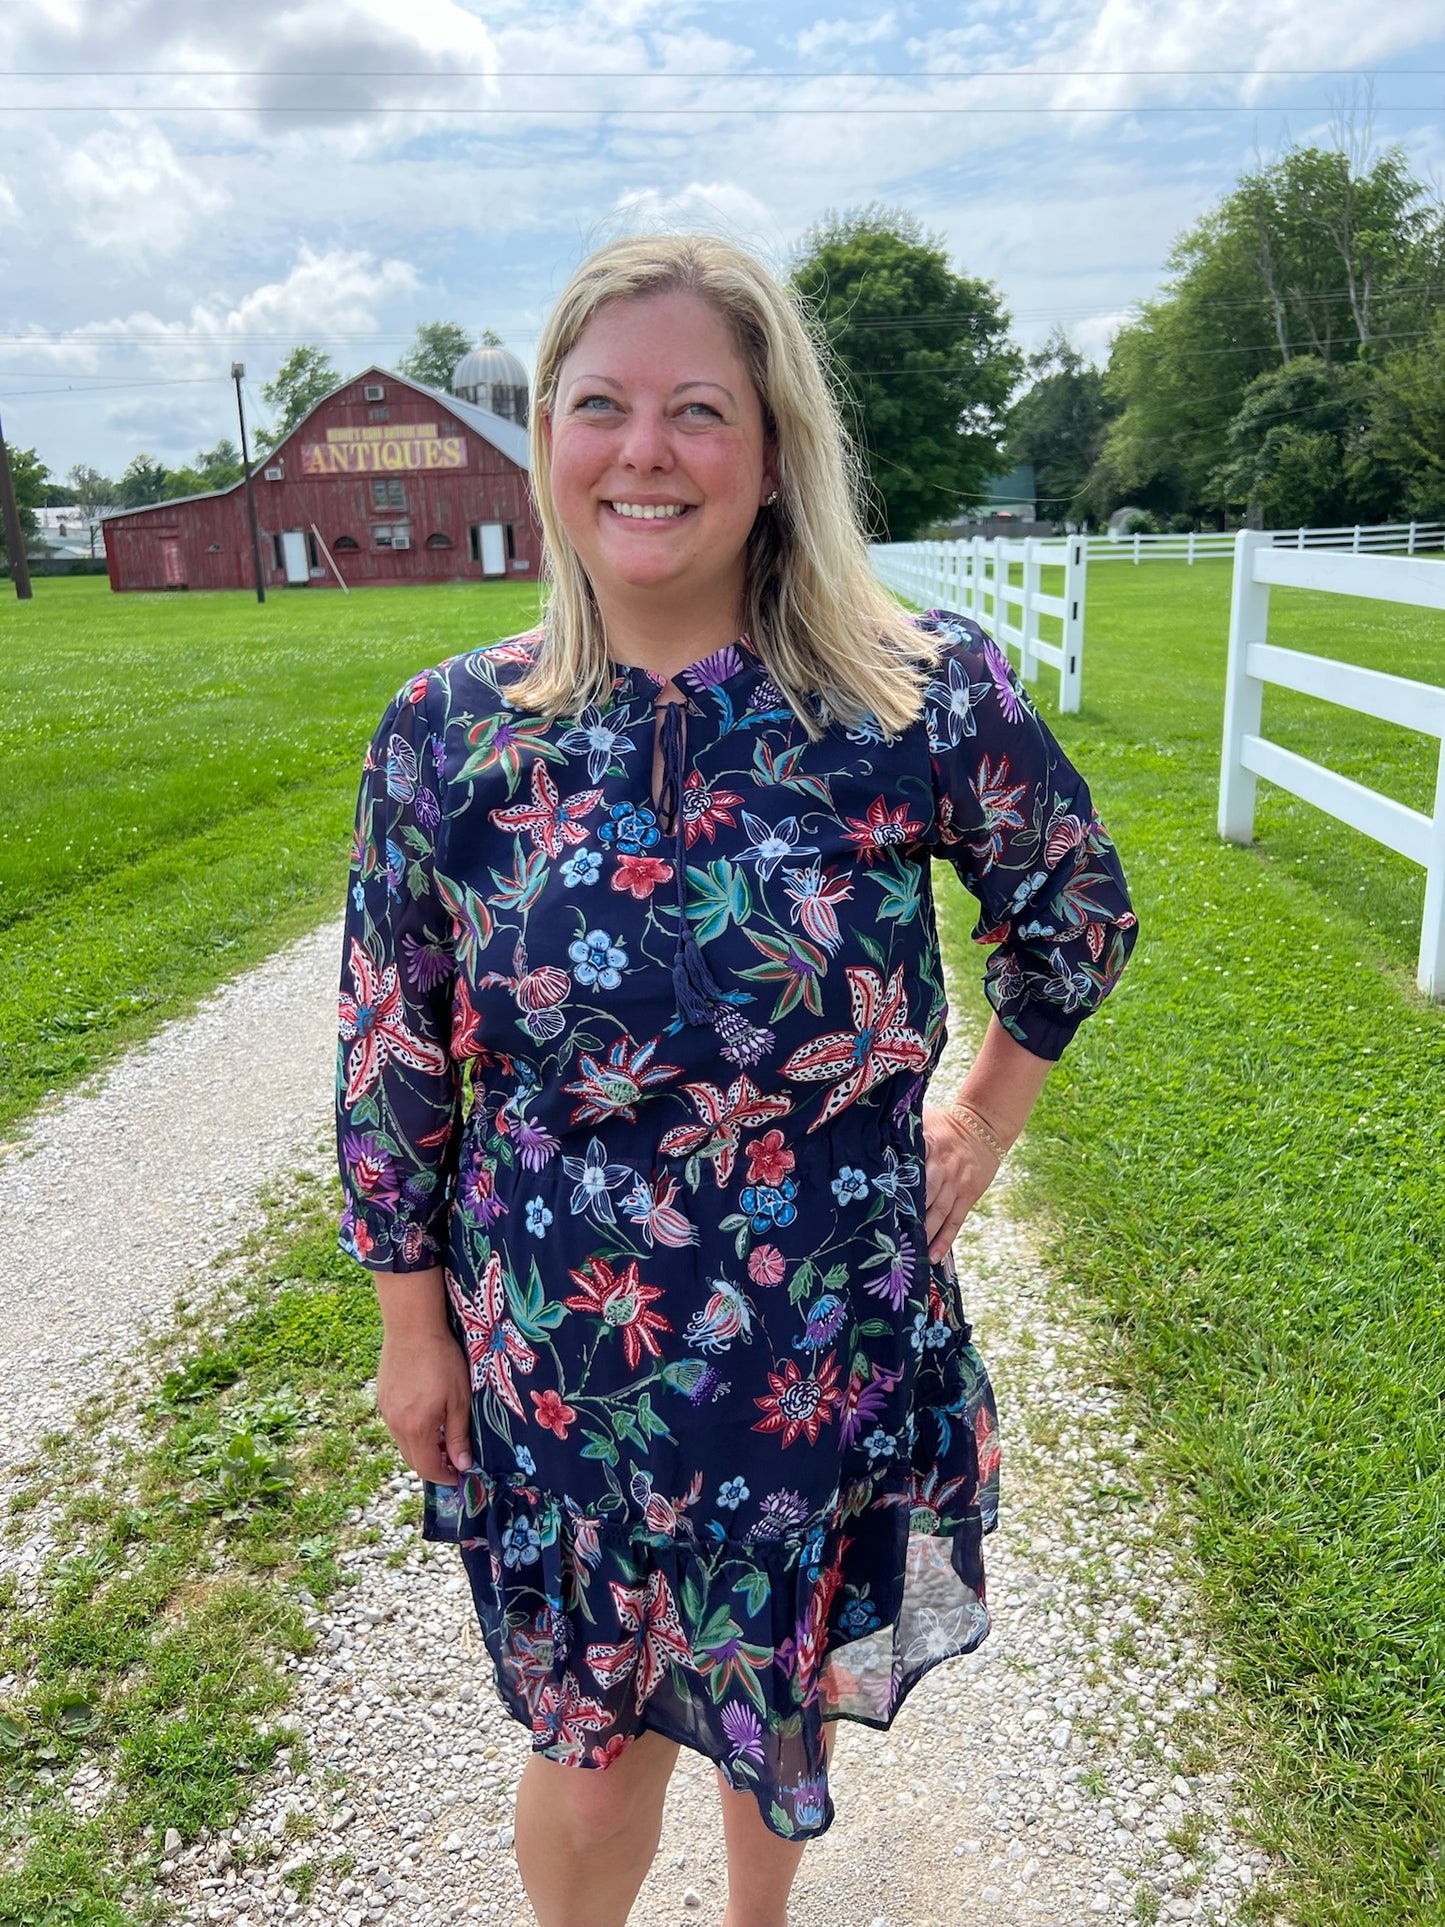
[
  {"x": 397, "y": 1092},
  {"x": 1016, "y": 820}
]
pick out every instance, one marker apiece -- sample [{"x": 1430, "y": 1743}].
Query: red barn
[{"x": 385, "y": 481}]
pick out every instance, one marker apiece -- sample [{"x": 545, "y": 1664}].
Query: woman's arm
[
  {"x": 1002, "y": 1087},
  {"x": 422, "y": 1387}
]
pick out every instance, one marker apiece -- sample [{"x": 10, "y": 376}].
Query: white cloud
[
  {"x": 130, "y": 189},
  {"x": 9, "y": 206},
  {"x": 824, "y": 36},
  {"x": 710, "y": 207},
  {"x": 324, "y": 295}
]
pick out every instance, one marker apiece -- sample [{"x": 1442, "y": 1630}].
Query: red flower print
[
  {"x": 494, "y": 1345},
  {"x": 362, "y": 1238},
  {"x": 614, "y": 1087},
  {"x": 879, "y": 1045},
  {"x": 769, "y": 1160},
  {"x": 622, "y": 1301},
  {"x": 640, "y": 875},
  {"x": 766, "y": 1265},
  {"x": 371, "y": 1022},
  {"x": 603, "y": 1756},
  {"x": 999, "y": 800},
  {"x": 881, "y": 829},
  {"x": 814, "y": 894},
  {"x": 649, "y": 1611},
  {"x": 725, "y": 1116},
  {"x": 564, "y": 1716},
  {"x": 800, "y": 1402},
  {"x": 703, "y": 808},
  {"x": 552, "y": 823},
  {"x": 553, "y": 1411}
]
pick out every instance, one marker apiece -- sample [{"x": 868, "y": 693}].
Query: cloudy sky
[{"x": 184, "y": 182}]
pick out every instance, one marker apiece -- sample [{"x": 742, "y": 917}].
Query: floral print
[{"x": 643, "y": 1072}]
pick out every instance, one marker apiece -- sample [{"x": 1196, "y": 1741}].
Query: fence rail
[
  {"x": 974, "y": 577},
  {"x": 1255, "y": 661},
  {"x": 1409, "y": 538}
]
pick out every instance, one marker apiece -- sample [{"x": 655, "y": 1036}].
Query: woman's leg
[
  {"x": 761, "y": 1864},
  {"x": 586, "y": 1835}
]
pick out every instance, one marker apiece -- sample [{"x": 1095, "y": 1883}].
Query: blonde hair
[{"x": 822, "y": 624}]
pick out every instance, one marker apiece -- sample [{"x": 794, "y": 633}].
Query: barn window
[
  {"x": 378, "y": 414},
  {"x": 347, "y": 543},
  {"x": 436, "y": 540},
  {"x": 387, "y": 492},
  {"x": 511, "y": 543},
  {"x": 313, "y": 554},
  {"x": 381, "y": 537},
  {"x": 213, "y": 548},
  {"x": 277, "y": 552}
]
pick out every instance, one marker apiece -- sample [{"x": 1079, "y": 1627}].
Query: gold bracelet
[{"x": 977, "y": 1126}]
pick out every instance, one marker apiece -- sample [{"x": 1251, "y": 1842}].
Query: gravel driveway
[{"x": 1046, "y": 1779}]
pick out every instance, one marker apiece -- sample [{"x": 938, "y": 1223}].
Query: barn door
[
  {"x": 294, "y": 555},
  {"x": 494, "y": 549}
]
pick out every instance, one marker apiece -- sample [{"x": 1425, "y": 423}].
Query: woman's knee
[{"x": 597, "y": 1804}]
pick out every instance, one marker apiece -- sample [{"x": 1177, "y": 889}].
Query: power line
[
  {"x": 898, "y": 110},
  {"x": 717, "y": 73}
]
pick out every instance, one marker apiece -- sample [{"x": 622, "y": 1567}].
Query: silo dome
[{"x": 493, "y": 378}]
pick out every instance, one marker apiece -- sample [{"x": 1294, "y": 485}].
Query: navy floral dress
[{"x": 644, "y": 1073}]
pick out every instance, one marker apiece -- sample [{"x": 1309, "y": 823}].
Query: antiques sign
[{"x": 383, "y": 451}]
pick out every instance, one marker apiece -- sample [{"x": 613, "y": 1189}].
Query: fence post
[
  {"x": 1076, "y": 576},
  {"x": 1431, "y": 975},
  {"x": 1028, "y": 661},
  {"x": 1191, "y": 548},
  {"x": 1137, "y": 542},
  {"x": 1355, "y": 545},
  {"x": 1243, "y": 693},
  {"x": 1410, "y": 550}
]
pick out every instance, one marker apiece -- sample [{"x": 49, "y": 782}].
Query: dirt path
[{"x": 1052, "y": 1778}]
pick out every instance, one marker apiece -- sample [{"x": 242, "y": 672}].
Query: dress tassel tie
[{"x": 697, "y": 989}]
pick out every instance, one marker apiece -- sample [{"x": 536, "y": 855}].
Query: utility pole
[
  {"x": 14, "y": 534},
  {"x": 238, "y": 375}
]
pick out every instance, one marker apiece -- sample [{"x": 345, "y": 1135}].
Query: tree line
[{"x": 1290, "y": 371}]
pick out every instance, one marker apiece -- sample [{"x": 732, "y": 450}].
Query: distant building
[
  {"x": 494, "y": 379},
  {"x": 385, "y": 481}
]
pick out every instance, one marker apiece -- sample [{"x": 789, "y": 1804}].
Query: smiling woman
[{"x": 642, "y": 995}]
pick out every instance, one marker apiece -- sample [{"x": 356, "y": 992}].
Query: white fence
[
  {"x": 1255, "y": 661},
  {"x": 973, "y": 578},
  {"x": 1409, "y": 538}
]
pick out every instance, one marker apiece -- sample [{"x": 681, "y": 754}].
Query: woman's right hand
[{"x": 423, "y": 1390}]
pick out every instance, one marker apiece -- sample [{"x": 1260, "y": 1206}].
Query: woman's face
[{"x": 659, "y": 459}]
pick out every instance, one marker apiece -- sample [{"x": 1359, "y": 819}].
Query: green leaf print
[
  {"x": 802, "y": 1283},
  {"x": 717, "y": 895},
  {"x": 598, "y": 1447},
  {"x": 781, "y": 1820}
]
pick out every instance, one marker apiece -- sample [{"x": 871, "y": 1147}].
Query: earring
[{"x": 771, "y": 499}]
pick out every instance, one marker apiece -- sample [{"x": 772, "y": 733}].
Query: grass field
[
  {"x": 1240, "y": 1167},
  {"x": 177, "y": 777}
]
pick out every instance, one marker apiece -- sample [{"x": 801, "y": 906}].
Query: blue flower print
[
  {"x": 521, "y": 1543},
  {"x": 594, "y": 1179},
  {"x": 949, "y": 707},
  {"x": 731, "y": 1493},
  {"x": 770, "y": 1204},
  {"x": 358, "y": 897},
  {"x": 920, "y": 1327},
  {"x": 597, "y": 960},
  {"x": 809, "y": 1803},
  {"x": 858, "y": 1618},
  {"x": 850, "y": 1185},
  {"x": 880, "y": 1446},
  {"x": 395, "y": 867},
  {"x": 937, "y": 1336},
  {"x": 896, "y": 1176},
  {"x": 584, "y": 867},
  {"x": 630, "y": 829},
  {"x": 538, "y": 1217},
  {"x": 526, "y": 1464}
]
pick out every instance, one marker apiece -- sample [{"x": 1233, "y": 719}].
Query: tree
[
  {"x": 1058, "y": 424},
  {"x": 1315, "y": 254},
  {"x": 30, "y": 476},
  {"x": 213, "y": 468},
  {"x": 305, "y": 377},
  {"x": 1406, "y": 429},
  {"x": 142, "y": 480},
  {"x": 436, "y": 349},
  {"x": 93, "y": 492},
  {"x": 924, "y": 357}
]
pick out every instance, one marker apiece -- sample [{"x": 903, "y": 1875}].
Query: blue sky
[{"x": 258, "y": 183}]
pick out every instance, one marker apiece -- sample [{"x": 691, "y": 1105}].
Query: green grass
[
  {"x": 158, "y": 1644},
  {"x": 1239, "y": 1167},
  {"x": 177, "y": 777}
]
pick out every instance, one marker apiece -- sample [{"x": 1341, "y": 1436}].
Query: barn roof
[{"x": 504, "y": 436}]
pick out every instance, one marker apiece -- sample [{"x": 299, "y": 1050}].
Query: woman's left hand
[{"x": 960, "y": 1168}]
